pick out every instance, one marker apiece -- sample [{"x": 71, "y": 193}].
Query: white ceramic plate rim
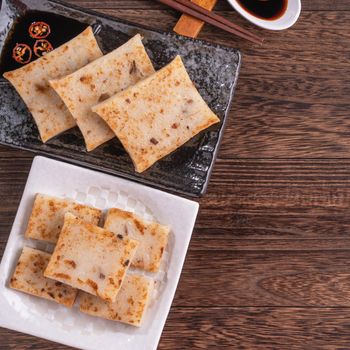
[
  {"x": 286, "y": 21},
  {"x": 43, "y": 175}
]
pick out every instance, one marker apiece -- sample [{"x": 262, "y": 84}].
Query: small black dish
[{"x": 213, "y": 68}]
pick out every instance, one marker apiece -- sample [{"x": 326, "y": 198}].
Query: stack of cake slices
[
  {"x": 114, "y": 95},
  {"x": 105, "y": 265}
]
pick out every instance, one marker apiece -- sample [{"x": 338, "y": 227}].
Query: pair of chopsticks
[{"x": 206, "y": 16}]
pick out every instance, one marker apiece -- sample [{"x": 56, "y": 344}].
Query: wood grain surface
[{"x": 268, "y": 265}]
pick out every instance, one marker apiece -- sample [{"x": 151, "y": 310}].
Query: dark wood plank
[
  {"x": 302, "y": 93},
  {"x": 257, "y": 328},
  {"x": 265, "y": 278},
  {"x": 233, "y": 328},
  {"x": 319, "y": 177}
]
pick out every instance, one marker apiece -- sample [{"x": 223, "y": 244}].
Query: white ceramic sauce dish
[{"x": 288, "y": 18}]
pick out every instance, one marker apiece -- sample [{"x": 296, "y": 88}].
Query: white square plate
[{"x": 45, "y": 319}]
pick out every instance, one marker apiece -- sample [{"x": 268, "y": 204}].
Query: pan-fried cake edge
[
  {"x": 157, "y": 115},
  {"x": 31, "y": 82},
  {"x": 29, "y": 278},
  {"x": 152, "y": 237},
  {"x": 47, "y": 216},
  {"x": 90, "y": 258},
  {"x": 99, "y": 80},
  {"x": 129, "y": 306}
]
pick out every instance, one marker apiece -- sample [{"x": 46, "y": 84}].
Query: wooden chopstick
[
  {"x": 221, "y": 19},
  {"x": 190, "y": 26},
  {"x": 198, "y": 12}
]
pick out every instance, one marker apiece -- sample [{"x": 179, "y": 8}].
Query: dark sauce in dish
[
  {"x": 62, "y": 29},
  {"x": 265, "y": 9}
]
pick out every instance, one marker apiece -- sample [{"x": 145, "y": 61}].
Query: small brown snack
[
  {"x": 157, "y": 115},
  {"x": 29, "y": 278},
  {"x": 90, "y": 258},
  {"x": 46, "y": 220},
  {"x": 129, "y": 306},
  {"x": 152, "y": 237}
]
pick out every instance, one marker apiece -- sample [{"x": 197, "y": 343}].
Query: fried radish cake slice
[
  {"x": 46, "y": 220},
  {"x": 32, "y": 82},
  {"x": 29, "y": 278},
  {"x": 99, "y": 80},
  {"x": 157, "y": 115},
  {"x": 90, "y": 258},
  {"x": 152, "y": 237},
  {"x": 129, "y": 306}
]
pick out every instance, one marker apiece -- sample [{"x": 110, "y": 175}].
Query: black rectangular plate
[{"x": 213, "y": 68}]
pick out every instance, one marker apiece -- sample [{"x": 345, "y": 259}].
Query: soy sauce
[
  {"x": 265, "y": 9},
  {"x": 62, "y": 30}
]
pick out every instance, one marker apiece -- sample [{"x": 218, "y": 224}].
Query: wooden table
[{"x": 269, "y": 262}]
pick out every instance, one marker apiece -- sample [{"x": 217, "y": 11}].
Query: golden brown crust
[
  {"x": 129, "y": 306},
  {"x": 157, "y": 115},
  {"x": 46, "y": 220},
  {"x": 28, "y": 277},
  {"x": 96, "y": 258},
  {"x": 152, "y": 237},
  {"x": 32, "y": 82},
  {"x": 97, "y": 81}
]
